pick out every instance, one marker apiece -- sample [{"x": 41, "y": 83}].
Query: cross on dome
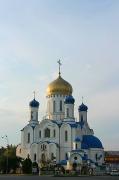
[
  {"x": 59, "y": 62},
  {"x": 34, "y": 93}
]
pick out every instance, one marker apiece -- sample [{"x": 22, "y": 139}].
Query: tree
[
  {"x": 8, "y": 160},
  {"x": 27, "y": 166}
]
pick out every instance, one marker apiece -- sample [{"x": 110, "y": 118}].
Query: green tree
[
  {"x": 27, "y": 166},
  {"x": 8, "y": 160}
]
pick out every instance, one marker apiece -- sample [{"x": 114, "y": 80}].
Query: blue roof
[
  {"x": 72, "y": 124},
  {"x": 69, "y": 100},
  {"x": 84, "y": 146},
  {"x": 83, "y": 107},
  {"x": 77, "y": 139},
  {"x": 63, "y": 162},
  {"x": 90, "y": 141},
  {"x": 34, "y": 103}
]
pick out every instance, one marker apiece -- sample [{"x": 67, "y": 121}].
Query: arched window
[
  {"x": 54, "y": 133},
  {"x": 43, "y": 157},
  {"x": 66, "y": 156},
  {"x": 20, "y": 150},
  {"x": 96, "y": 156},
  {"x": 35, "y": 157},
  {"x": 28, "y": 138},
  {"x": 39, "y": 134},
  {"x": 67, "y": 112},
  {"x": 54, "y": 106},
  {"x": 66, "y": 136},
  {"x": 76, "y": 146},
  {"x": 47, "y": 133},
  {"x": 60, "y": 105},
  {"x": 52, "y": 156},
  {"x": 81, "y": 117}
]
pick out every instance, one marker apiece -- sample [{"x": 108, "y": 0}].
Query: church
[{"x": 59, "y": 137}]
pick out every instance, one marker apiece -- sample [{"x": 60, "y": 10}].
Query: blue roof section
[
  {"x": 83, "y": 107},
  {"x": 69, "y": 100},
  {"x": 63, "y": 162},
  {"x": 34, "y": 103},
  {"x": 84, "y": 146},
  {"x": 48, "y": 142},
  {"x": 73, "y": 125},
  {"x": 77, "y": 139},
  {"x": 91, "y": 141}
]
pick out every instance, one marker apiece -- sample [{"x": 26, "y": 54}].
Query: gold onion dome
[{"x": 59, "y": 86}]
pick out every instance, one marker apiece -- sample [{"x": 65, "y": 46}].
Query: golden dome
[{"x": 59, "y": 86}]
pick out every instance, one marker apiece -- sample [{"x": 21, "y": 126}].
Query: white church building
[{"x": 59, "y": 136}]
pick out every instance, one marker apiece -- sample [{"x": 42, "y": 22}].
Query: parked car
[{"x": 114, "y": 173}]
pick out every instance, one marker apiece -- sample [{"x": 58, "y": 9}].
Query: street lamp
[{"x": 6, "y": 138}]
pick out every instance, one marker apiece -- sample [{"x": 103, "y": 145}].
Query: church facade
[{"x": 59, "y": 137}]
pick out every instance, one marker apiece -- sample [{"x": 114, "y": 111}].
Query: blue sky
[{"x": 84, "y": 35}]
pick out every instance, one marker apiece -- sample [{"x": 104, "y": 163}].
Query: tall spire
[
  {"x": 82, "y": 99},
  {"x": 59, "y": 62}
]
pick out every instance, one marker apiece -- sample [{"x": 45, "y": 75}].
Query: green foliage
[
  {"x": 27, "y": 166},
  {"x": 8, "y": 160}
]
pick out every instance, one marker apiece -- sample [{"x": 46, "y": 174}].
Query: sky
[{"x": 84, "y": 34}]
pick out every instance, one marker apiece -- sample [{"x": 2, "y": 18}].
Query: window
[
  {"x": 43, "y": 157},
  {"x": 43, "y": 147},
  {"x": 81, "y": 117},
  {"x": 52, "y": 156},
  {"x": 35, "y": 157},
  {"x": 47, "y": 132},
  {"x": 67, "y": 112},
  {"x": 66, "y": 136},
  {"x": 76, "y": 146},
  {"x": 75, "y": 158},
  {"x": 20, "y": 151},
  {"x": 28, "y": 140},
  {"x": 54, "y": 108},
  {"x": 39, "y": 134},
  {"x": 96, "y": 157},
  {"x": 66, "y": 156},
  {"x": 54, "y": 133},
  {"x": 60, "y": 105}
]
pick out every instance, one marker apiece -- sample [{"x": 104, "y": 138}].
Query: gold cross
[{"x": 59, "y": 62}]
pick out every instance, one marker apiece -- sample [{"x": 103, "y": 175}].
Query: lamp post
[{"x": 6, "y": 138}]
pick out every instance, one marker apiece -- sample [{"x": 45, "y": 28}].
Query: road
[{"x": 10, "y": 177}]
